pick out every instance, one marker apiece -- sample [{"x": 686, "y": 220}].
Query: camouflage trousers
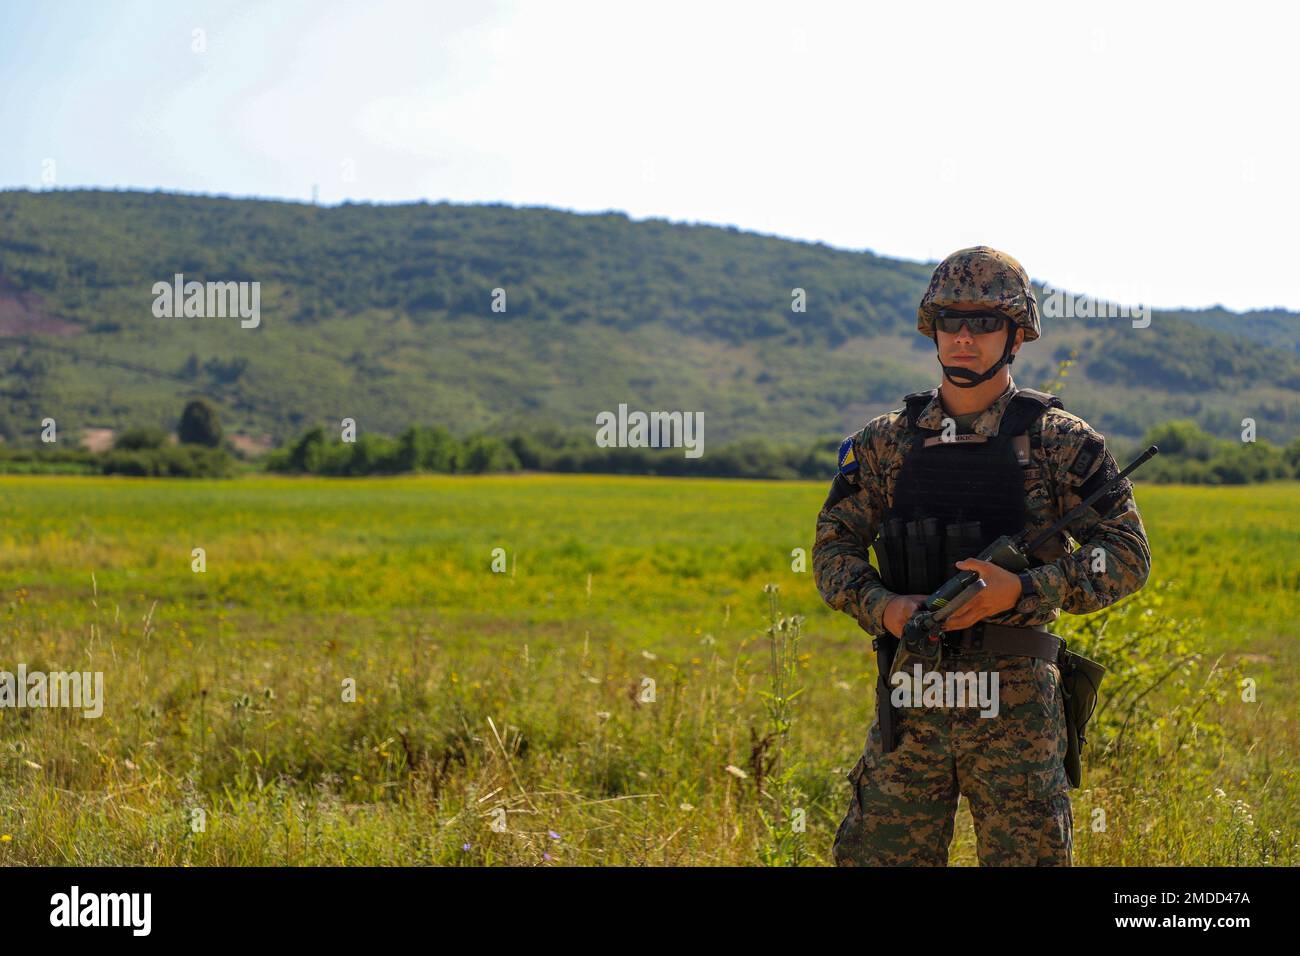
[{"x": 1009, "y": 766}]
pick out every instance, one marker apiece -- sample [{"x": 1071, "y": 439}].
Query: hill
[{"x": 385, "y": 314}]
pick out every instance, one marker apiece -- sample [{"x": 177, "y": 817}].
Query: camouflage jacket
[{"x": 1066, "y": 463}]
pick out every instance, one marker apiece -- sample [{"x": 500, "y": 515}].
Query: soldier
[{"x": 937, "y": 481}]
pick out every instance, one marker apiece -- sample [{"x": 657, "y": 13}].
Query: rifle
[{"x": 922, "y": 633}]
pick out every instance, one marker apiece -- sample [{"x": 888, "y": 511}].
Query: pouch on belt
[{"x": 1080, "y": 680}]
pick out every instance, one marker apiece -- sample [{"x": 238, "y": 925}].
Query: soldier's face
[{"x": 967, "y": 349}]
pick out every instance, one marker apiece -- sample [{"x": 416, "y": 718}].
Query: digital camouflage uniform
[{"x": 1008, "y": 766}]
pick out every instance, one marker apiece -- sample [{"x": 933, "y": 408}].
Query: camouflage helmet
[{"x": 980, "y": 278}]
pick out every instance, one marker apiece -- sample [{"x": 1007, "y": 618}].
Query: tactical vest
[{"x": 951, "y": 499}]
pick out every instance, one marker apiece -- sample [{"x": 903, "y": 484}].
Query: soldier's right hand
[{"x": 899, "y": 609}]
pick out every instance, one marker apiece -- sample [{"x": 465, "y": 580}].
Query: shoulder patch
[
  {"x": 848, "y": 461},
  {"x": 1087, "y": 456}
]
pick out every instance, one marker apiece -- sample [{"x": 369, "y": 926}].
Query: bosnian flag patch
[{"x": 848, "y": 462}]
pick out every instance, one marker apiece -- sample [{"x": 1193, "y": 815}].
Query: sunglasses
[{"x": 980, "y": 323}]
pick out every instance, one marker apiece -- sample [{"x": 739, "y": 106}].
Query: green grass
[{"x": 520, "y": 695}]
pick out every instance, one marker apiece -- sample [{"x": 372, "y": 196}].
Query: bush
[
  {"x": 200, "y": 425},
  {"x": 1243, "y": 464},
  {"x": 1189, "y": 455},
  {"x": 304, "y": 455},
  {"x": 1182, "y": 439},
  {"x": 140, "y": 439},
  {"x": 420, "y": 448},
  {"x": 47, "y": 460},
  {"x": 168, "y": 461},
  {"x": 484, "y": 453},
  {"x": 1292, "y": 455}
]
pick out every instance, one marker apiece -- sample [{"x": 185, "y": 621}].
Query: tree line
[
  {"x": 425, "y": 448},
  {"x": 1188, "y": 455}
]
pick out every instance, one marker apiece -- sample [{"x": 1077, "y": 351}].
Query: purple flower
[
  {"x": 465, "y": 847},
  {"x": 546, "y": 857},
  {"x": 552, "y": 834}
]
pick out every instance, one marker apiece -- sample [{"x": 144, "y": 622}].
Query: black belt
[{"x": 1000, "y": 639}]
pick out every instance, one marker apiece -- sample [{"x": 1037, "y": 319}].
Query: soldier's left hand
[{"x": 1002, "y": 592}]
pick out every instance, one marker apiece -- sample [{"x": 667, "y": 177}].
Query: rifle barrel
[{"x": 1077, "y": 510}]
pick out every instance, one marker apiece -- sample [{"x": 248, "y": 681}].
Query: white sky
[{"x": 1137, "y": 152}]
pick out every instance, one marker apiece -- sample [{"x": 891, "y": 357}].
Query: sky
[{"x": 1141, "y": 153}]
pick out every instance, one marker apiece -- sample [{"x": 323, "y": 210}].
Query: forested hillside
[{"x": 384, "y": 314}]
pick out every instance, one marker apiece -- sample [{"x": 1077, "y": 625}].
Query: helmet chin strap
[{"x": 971, "y": 379}]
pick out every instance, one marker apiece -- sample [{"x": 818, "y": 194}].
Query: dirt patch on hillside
[
  {"x": 251, "y": 445},
  {"x": 97, "y": 439},
  {"x": 22, "y": 313}
]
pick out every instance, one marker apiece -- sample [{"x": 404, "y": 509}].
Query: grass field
[{"x": 506, "y": 718}]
